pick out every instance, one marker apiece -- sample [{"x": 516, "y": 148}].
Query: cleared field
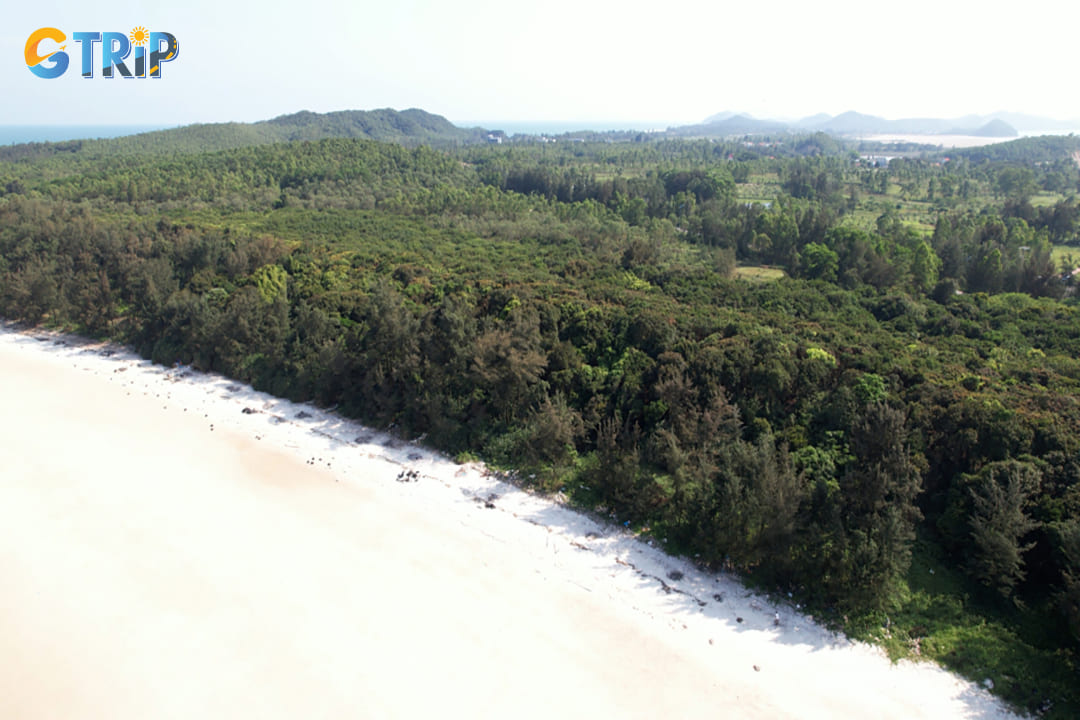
[
  {"x": 759, "y": 273},
  {"x": 1060, "y": 252},
  {"x": 1046, "y": 199}
]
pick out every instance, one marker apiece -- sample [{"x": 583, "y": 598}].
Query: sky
[{"x": 621, "y": 63}]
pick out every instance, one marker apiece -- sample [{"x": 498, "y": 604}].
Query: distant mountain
[
  {"x": 731, "y": 125},
  {"x": 1034, "y": 123},
  {"x": 813, "y": 120},
  {"x": 996, "y": 128},
  {"x": 720, "y": 117},
  {"x": 854, "y": 123}
]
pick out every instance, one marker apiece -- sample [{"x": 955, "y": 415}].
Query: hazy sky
[{"x": 647, "y": 64}]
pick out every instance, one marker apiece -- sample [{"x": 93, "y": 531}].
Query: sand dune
[{"x": 174, "y": 545}]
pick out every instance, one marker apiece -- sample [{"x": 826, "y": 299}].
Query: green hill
[
  {"x": 406, "y": 127},
  {"x": 1045, "y": 148}
]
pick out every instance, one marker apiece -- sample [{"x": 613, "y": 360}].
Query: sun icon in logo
[{"x": 139, "y": 36}]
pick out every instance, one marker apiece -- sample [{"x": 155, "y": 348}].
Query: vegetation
[
  {"x": 865, "y": 374},
  {"x": 408, "y": 127}
]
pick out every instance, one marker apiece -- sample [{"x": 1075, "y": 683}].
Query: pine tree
[
  {"x": 879, "y": 494},
  {"x": 999, "y": 495}
]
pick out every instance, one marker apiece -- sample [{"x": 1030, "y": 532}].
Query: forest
[{"x": 850, "y": 379}]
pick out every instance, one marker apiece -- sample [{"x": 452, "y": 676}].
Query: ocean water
[{"x": 15, "y": 134}]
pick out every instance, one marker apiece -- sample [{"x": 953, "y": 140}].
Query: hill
[
  {"x": 730, "y": 125},
  {"x": 1029, "y": 150},
  {"x": 406, "y": 127},
  {"x": 853, "y": 123},
  {"x": 996, "y": 128}
]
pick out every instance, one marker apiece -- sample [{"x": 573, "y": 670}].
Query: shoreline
[
  {"x": 549, "y": 597},
  {"x": 942, "y": 141}
]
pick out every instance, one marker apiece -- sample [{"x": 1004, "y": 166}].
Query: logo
[{"x": 46, "y": 58}]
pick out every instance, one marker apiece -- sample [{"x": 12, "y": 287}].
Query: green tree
[
  {"x": 820, "y": 262},
  {"x": 1000, "y": 494},
  {"x": 388, "y": 350},
  {"x": 879, "y": 491},
  {"x": 508, "y": 362},
  {"x": 551, "y": 433},
  {"x": 925, "y": 265},
  {"x": 1016, "y": 183},
  {"x": 1068, "y": 598}
]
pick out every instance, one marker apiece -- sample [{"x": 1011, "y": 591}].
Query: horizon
[
  {"x": 585, "y": 123},
  {"x": 471, "y": 59},
  {"x": 570, "y": 124},
  {"x": 58, "y": 132}
]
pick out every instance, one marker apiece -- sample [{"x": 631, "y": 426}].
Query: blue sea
[{"x": 15, "y": 134}]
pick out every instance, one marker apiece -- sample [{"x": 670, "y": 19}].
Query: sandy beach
[
  {"x": 176, "y": 545},
  {"x": 941, "y": 141}
]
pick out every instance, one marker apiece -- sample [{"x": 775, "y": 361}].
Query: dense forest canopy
[{"x": 780, "y": 356}]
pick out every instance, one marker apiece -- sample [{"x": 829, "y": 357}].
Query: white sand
[
  {"x": 272, "y": 567},
  {"x": 941, "y": 141}
]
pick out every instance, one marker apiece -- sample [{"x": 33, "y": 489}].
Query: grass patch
[
  {"x": 757, "y": 193},
  {"x": 1060, "y": 252},
  {"x": 1046, "y": 199},
  {"x": 944, "y": 618},
  {"x": 759, "y": 273}
]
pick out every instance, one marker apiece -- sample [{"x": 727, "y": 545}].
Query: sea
[{"x": 15, "y": 134}]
